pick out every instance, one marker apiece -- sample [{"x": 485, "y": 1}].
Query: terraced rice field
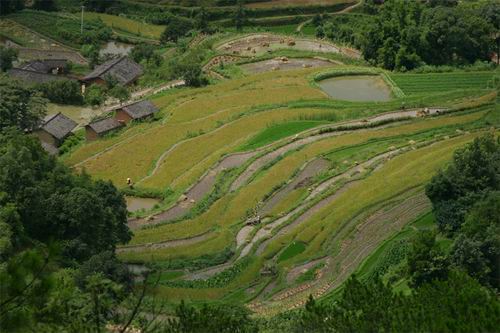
[
  {"x": 437, "y": 82},
  {"x": 291, "y": 3},
  {"x": 276, "y": 191},
  {"x": 128, "y": 26}
]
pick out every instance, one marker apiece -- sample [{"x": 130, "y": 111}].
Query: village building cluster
[{"x": 55, "y": 128}]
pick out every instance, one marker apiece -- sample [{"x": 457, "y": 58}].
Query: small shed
[
  {"x": 53, "y": 130},
  {"x": 123, "y": 69},
  {"x": 99, "y": 128},
  {"x": 136, "y": 111}
]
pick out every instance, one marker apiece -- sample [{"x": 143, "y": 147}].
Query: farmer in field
[{"x": 129, "y": 183}]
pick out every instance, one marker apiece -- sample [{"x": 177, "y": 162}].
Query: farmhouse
[
  {"x": 47, "y": 66},
  {"x": 124, "y": 70},
  {"x": 136, "y": 111},
  {"x": 32, "y": 77},
  {"x": 101, "y": 127},
  {"x": 53, "y": 130}
]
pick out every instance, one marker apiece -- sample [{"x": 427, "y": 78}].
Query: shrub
[
  {"x": 7, "y": 56},
  {"x": 191, "y": 72},
  {"x": 62, "y": 92},
  {"x": 120, "y": 92},
  {"x": 95, "y": 95},
  {"x": 176, "y": 28}
]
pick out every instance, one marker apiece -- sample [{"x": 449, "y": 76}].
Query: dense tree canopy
[
  {"x": 426, "y": 260},
  {"x": 239, "y": 15},
  {"x": 51, "y": 218},
  {"x": 474, "y": 171},
  {"x": 176, "y": 28},
  {"x": 403, "y": 35},
  {"x": 62, "y": 91},
  {"x": 20, "y": 106},
  {"x": 457, "y": 304},
  {"x": 10, "y": 6},
  {"x": 46, "y": 5},
  {"x": 477, "y": 246},
  {"x": 46, "y": 202},
  {"x": 97, "y": 5}
]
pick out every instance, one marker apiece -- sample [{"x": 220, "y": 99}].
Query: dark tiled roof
[
  {"x": 45, "y": 66},
  {"x": 58, "y": 125},
  {"x": 105, "y": 125},
  {"x": 140, "y": 109},
  {"x": 37, "y": 66},
  {"x": 55, "y": 63},
  {"x": 32, "y": 77},
  {"x": 123, "y": 69}
]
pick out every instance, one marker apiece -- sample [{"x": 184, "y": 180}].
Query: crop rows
[{"x": 438, "y": 82}]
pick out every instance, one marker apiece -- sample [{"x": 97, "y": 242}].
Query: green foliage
[
  {"x": 62, "y": 91},
  {"x": 347, "y": 29},
  {"x": 65, "y": 29},
  {"x": 176, "y": 28},
  {"x": 86, "y": 217},
  {"x": 72, "y": 142},
  {"x": 95, "y": 95},
  {"x": 477, "y": 247},
  {"x": 25, "y": 283},
  {"x": 111, "y": 81},
  {"x": 292, "y": 250},
  {"x": 426, "y": 261},
  {"x": 473, "y": 172},
  {"x": 106, "y": 264},
  {"x": 97, "y": 5},
  {"x": 20, "y": 107},
  {"x": 191, "y": 71},
  {"x": 457, "y": 304},
  {"x": 46, "y": 5},
  {"x": 142, "y": 52},
  {"x": 91, "y": 52},
  {"x": 7, "y": 57},
  {"x": 10, "y": 6},
  {"x": 216, "y": 281},
  {"x": 211, "y": 319},
  {"x": 204, "y": 261},
  {"x": 71, "y": 309},
  {"x": 119, "y": 92},
  {"x": 408, "y": 34},
  {"x": 239, "y": 16},
  {"x": 309, "y": 275},
  {"x": 275, "y": 132},
  {"x": 396, "y": 253},
  {"x": 201, "y": 18}
]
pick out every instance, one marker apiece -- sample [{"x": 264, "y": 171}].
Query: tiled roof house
[
  {"x": 123, "y": 69},
  {"x": 136, "y": 111}
]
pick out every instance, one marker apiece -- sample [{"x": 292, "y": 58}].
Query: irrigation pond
[
  {"x": 135, "y": 203},
  {"x": 359, "y": 88}
]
